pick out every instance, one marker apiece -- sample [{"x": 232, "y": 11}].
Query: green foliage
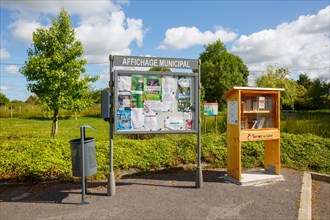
[
  {"x": 305, "y": 152},
  {"x": 319, "y": 94},
  {"x": 315, "y": 95},
  {"x": 220, "y": 71},
  {"x": 53, "y": 70},
  {"x": 303, "y": 122},
  {"x": 3, "y": 98},
  {"x": 28, "y": 154},
  {"x": 278, "y": 78}
]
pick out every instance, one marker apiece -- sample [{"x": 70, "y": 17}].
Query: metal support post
[
  {"x": 111, "y": 178},
  {"x": 199, "y": 174},
  {"x": 83, "y": 177}
]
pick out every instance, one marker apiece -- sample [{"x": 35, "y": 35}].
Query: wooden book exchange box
[{"x": 253, "y": 114}]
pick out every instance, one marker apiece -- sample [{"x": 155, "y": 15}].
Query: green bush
[
  {"x": 28, "y": 154},
  {"x": 305, "y": 152}
]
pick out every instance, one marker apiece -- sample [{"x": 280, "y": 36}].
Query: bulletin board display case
[
  {"x": 253, "y": 114},
  {"x": 155, "y": 102}
]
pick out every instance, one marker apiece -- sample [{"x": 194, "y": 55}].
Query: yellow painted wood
[
  {"x": 259, "y": 135},
  {"x": 233, "y": 144},
  {"x": 272, "y": 156}
]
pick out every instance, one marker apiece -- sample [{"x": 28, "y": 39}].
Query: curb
[{"x": 305, "y": 207}]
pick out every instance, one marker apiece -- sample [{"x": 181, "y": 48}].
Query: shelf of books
[{"x": 253, "y": 114}]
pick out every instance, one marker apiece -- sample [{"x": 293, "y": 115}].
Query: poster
[
  {"x": 124, "y": 101},
  {"x": 136, "y": 100},
  {"x": 124, "y": 83},
  {"x": 137, "y": 83},
  {"x": 183, "y": 94},
  {"x": 169, "y": 89},
  {"x": 152, "y": 87},
  {"x": 124, "y": 120},
  {"x": 232, "y": 112}
]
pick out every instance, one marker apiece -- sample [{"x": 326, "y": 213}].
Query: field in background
[{"x": 293, "y": 122}]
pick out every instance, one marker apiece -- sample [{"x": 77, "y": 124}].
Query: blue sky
[{"x": 289, "y": 34}]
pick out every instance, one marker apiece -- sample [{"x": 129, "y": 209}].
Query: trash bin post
[{"x": 83, "y": 177}]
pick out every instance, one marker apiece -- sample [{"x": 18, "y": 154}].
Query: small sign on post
[{"x": 211, "y": 108}]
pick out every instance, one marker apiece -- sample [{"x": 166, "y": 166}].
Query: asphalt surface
[{"x": 158, "y": 195}]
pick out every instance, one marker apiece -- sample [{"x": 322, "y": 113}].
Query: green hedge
[{"x": 32, "y": 160}]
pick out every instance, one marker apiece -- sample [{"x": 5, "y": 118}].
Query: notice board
[{"x": 155, "y": 102}]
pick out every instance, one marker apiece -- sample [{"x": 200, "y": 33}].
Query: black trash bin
[{"x": 90, "y": 157}]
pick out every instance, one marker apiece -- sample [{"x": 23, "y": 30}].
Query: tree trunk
[{"x": 55, "y": 124}]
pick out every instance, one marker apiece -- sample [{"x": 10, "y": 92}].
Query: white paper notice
[
  {"x": 232, "y": 112},
  {"x": 137, "y": 117},
  {"x": 169, "y": 88},
  {"x": 169, "y": 102},
  {"x": 124, "y": 83},
  {"x": 169, "y": 85},
  {"x": 150, "y": 121},
  {"x": 174, "y": 123},
  {"x": 152, "y": 105}
]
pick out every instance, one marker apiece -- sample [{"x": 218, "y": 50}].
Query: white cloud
[
  {"x": 54, "y": 7},
  {"x": 101, "y": 26},
  {"x": 11, "y": 69},
  {"x": 301, "y": 44},
  {"x": 22, "y": 30},
  {"x": 4, "y": 54},
  {"x": 111, "y": 34},
  {"x": 3, "y": 88},
  {"x": 185, "y": 37}
]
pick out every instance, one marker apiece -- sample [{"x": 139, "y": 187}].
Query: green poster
[
  {"x": 136, "y": 100},
  {"x": 137, "y": 83},
  {"x": 152, "y": 87}
]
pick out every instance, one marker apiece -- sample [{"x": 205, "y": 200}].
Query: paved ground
[
  {"x": 320, "y": 200},
  {"x": 161, "y": 195}
]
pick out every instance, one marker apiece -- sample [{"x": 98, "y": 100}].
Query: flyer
[
  {"x": 124, "y": 101},
  {"x": 150, "y": 121},
  {"x": 124, "y": 83},
  {"x": 124, "y": 121},
  {"x": 152, "y": 87},
  {"x": 136, "y": 100},
  {"x": 183, "y": 94},
  {"x": 137, "y": 116},
  {"x": 169, "y": 89},
  {"x": 174, "y": 123},
  {"x": 137, "y": 83}
]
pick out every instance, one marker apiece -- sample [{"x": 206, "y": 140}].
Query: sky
[{"x": 285, "y": 34}]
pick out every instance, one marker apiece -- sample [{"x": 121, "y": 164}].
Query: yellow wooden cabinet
[{"x": 253, "y": 114}]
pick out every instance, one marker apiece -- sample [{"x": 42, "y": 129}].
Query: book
[
  {"x": 262, "y": 101},
  {"x": 254, "y": 125},
  {"x": 261, "y": 122}
]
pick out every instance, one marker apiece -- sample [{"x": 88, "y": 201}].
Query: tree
[
  {"x": 319, "y": 94},
  {"x": 278, "y": 78},
  {"x": 3, "y": 98},
  {"x": 220, "y": 71},
  {"x": 304, "y": 81},
  {"x": 53, "y": 70}
]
